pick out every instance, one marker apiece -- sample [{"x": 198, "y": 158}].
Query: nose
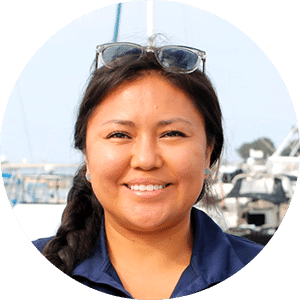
[{"x": 146, "y": 154}]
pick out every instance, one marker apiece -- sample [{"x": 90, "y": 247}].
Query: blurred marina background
[{"x": 37, "y": 157}]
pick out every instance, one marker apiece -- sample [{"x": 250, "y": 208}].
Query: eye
[
  {"x": 174, "y": 133},
  {"x": 118, "y": 135}
]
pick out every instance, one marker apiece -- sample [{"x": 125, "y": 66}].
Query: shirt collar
[
  {"x": 213, "y": 259},
  {"x": 98, "y": 268},
  {"x": 213, "y": 255}
]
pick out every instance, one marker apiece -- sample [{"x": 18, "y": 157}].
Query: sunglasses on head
[{"x": 177, "y": 59}]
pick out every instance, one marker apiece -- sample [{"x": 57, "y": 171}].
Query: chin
[{"x": 151, "y": 221}]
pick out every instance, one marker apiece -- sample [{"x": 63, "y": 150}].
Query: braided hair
[
  {"x": 79, "y": 228},
  {"x": 80, "y": 225}
]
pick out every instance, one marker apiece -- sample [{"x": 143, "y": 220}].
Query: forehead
[{"x": 148, "y": 97}]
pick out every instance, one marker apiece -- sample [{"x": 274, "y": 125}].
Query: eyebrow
[
  {"x": 174, "y": 120},
  {"x": 160, "y": 123},
  {"x": 121, "y": 122}
]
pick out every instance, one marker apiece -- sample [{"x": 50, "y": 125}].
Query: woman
[{"x": 150, "y": 129}]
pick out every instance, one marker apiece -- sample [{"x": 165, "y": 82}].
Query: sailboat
[{"x": 258, "y": 200}]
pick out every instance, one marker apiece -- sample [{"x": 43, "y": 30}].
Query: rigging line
[
  {"x": 25, "y": 122},
  {"x": 117, "y": 24}
]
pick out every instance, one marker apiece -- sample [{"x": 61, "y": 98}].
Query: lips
[
  {"x": 144, "y": 188},
  {"x": 146, "y": 185}
]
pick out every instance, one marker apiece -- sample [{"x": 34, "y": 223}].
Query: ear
[
  {"x": 87, "y": 166},
  {"x": 209, "y": 150}
]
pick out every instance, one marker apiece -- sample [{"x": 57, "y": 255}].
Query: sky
[{"x": 41, "y": 111}]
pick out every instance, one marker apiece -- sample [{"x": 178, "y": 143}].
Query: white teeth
[
  {"x": 144, "y": 188},
  {"x": 150, "y": 187}
]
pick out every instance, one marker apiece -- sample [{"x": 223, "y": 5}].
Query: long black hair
[{"x": 80, "y": 225}]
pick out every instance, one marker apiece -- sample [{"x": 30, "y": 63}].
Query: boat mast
[
  {"x": 117, "y": 24},
  {"x": 150, "y": 18}
]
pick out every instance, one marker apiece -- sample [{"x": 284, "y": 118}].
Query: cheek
[
  {"x": 105, "y": 163},
  {"x": 190, "y": 165}
]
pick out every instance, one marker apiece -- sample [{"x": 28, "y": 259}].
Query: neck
[{"x": 158, "y": 248}]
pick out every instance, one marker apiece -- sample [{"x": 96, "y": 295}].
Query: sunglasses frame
[{"x": 156, "y": 50}]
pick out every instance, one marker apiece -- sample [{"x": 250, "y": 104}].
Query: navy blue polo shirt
[{"x": 216, "y": 256}]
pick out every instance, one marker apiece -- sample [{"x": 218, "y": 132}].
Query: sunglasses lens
[
  {"x": 178, "y": 58},
  {"x": 114, "y": 53}
]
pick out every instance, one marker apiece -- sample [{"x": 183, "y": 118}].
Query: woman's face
[{"x": 146, "y": 153}]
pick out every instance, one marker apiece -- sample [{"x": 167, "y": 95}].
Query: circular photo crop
[{"x": 149, "y": 150}]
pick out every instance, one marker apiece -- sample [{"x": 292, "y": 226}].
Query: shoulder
[
  {"x": 245, "y": 249},
  {"x": 40, "y": 244}
]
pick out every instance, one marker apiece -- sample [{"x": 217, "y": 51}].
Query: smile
[{"x": 146, "y": 188}]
